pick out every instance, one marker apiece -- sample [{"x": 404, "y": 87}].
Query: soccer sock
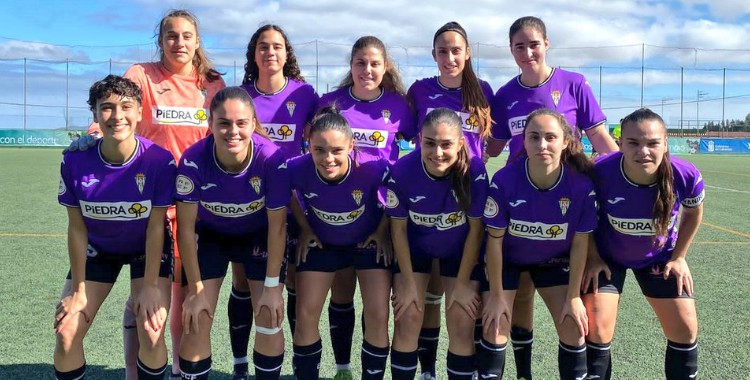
[
  {"x": 341, "y": 326},
  {"x": 490, "y": 359},
  {"x": 76, "y": 374},
  {"x": 599, "y": 360},
  {"x": 460, "y": 367},
  {"x": 240, "y": 313},
  {"x": 195, "y": 370},
  {"x": 291, "y": 308},
  {"x": 681, "y": 360},
  {"x": 267, "y": 367},
  {"x": 522, "y": 340},
  {"x": 147, "y": 373},
  {"x": 428, "y": 347},
  {"x": 130, "y": 340},
  {"x": 571, "y": 361},
  {"x": 306, "y": 361},
  {"x": 373, "y": 361},
  {"x": 403, "y": 365}
]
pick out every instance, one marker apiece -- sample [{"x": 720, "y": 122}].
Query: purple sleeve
[
  {"x": 495, "y": 214},
  {"x": 588, "y": 220},
  {"x": 408, "y": 124},
  {"x": 278, "y": 191},
  {"x": 65, "y": 194},
  {"x": 479, "y": 184},
  {"x": 165, "y": 188},
  {"x": 694, "y": 188},
  {"x": 588, "y": 114},
  {"x": 187, "y": 183},
  {"x": 500, "y": 130},
  {"x": 394, "y": 205}
]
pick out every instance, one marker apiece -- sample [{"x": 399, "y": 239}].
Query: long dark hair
[
  {"x": 201, "y": 63},
  {"x": 236, "y": 93},
  {"x": 291, "y": 68},
  {"x": 665, "y": 195},
  {"x": 472, "y": 96},
  {"x": 573, "y": 155},
  {"x": 460, "y": 176},
  {"x": 391, "y": 78}
]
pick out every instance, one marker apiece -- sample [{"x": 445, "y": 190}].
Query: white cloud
[{"x": 36, "y": 50}]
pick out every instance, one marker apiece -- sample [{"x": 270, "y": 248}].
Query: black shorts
[
  {"x": 650, "y": 279},
  {"x": 216, "y": 251},
  {"x": 448, "y": 267},
  {"x": 105, "y": 267},
  {"x": 553, "y": 272},
  {"x": 332, "y": 258}
]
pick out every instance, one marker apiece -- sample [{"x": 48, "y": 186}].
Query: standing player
[
  {"x": 371, "y": 99},
  {"x": 176, "y": 93},
  {"x": 435, "y": 200},
  {"x": 232, "y": 193},
  {"x": 457, "y": 88},
  {"x": 641, "y": 192},
  {"x": 540, "y": 212},
  {"x": 345, "y": 224},
  {"x": 116, "y": 195},
  {"x": 539, "y": 86},
  {"x": 284, "y": 104}
]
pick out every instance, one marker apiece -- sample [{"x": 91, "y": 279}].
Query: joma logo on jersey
[
  {"x": 180, "y": 116},
  {"x": 280, "y": 132},
  {"x": 339, "y": 218},
  {"x": 516, "y": 124},
  {"x": 538, "y": 231},
  {"x": 370, "y": 138},
  {"x": 116, "y": 211},
  {"x": 440, "y": 221},
  {"x": 633, "y": 227},
  {"x": 234, "y": 210}
]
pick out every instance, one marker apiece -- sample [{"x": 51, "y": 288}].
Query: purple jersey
[
  {"x": 284, "y": 114},
  {"x": 116, "y": 200},
  {"x": 626, "y": 222},
  {"x": 436, "y": 226},
  {"x": 375, "y": 123},
  {"x": 342, "y": 213},
  {"x": 427, "y": 94},
  {"x": 539, "y": 224},
  {"x": 565, "y": 92},
  {"x": 233, "y": 203}
]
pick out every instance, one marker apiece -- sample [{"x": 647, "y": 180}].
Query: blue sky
[{"x": 696, "y": 35}]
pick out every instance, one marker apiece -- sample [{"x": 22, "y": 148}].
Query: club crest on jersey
[
  {"x": 290, "y": 106},
  {"x": 140, "y": 181},
  {"x": 386, "y": 115},
  {"x": 556, "y": 97},
  {"x": 255, "y": 182},
  {"x": 357, "y": 195},
  {"x": 564, "y": 203}
]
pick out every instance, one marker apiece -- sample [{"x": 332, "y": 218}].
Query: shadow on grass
[{"x": 39, "y": 371}]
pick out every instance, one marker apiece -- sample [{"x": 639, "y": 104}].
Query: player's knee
[{"x": 69, "y": 337}]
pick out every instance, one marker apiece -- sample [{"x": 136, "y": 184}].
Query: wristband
[{"x": 271, "y": 282}]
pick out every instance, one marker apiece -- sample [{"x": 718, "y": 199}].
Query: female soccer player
[
  {"x": 371, "y": 99},
  {"x": 284, "y": 104},
  {"x": 176, "y": 93},
  {"x": 539, "y": 86},
  {"x": 344, "y": 222},
  {"x": 457, "y": 88},
  {"x": 540, "y": 212},
  {"x": 232, "y": 192},
  {"x": 435, "y": 200},
  {"x": 640, "y": 192},
  {"x": 116, "y": 195}
]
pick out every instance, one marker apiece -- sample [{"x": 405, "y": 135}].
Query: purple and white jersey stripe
[
  {"x": 116, "y": 200},
  {"x": 375, "y": 123},
  {"x": 436, "y": 226},
  {"x": 565, "y": 92},
  {"x": 626, "y": 221},
  {"x": 233, "y": 204},
  {"x": 284, "y": 114},
  {"x": 345, "y": 212},
  {"x": 427, "y": 94},
  {"x": 539, "y": 224}
]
